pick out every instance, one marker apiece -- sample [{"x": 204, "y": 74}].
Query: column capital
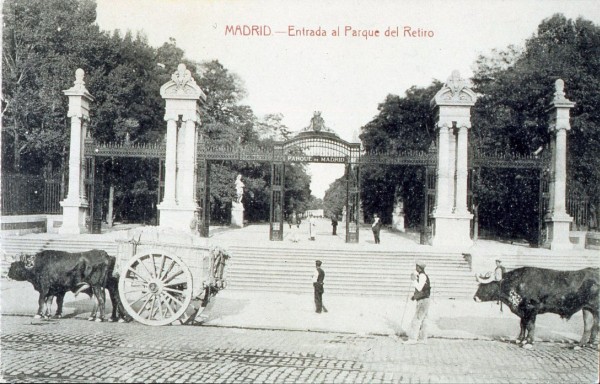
[
  {"x": 559, "y": 109},
  {"x": 186, "y": 116}
]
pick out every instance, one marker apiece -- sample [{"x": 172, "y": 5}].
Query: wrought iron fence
[
  {"x": 583, "y": 213},
  {"x": 31, "y": 194}
]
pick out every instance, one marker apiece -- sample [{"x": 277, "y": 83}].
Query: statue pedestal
[
  {"x": 398, "y": 222},
  {"x": 74, "y": 217},
  {"x": 179, "y": 217},
  {"x": 558, "y": 227},
  {"x": 237, "y": 215},
  {"x": 452, "y": 231}
]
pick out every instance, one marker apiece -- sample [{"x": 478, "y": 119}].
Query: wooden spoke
[
  {"x": 137, "y": 274},
  {"x": 146, "y": 268},
  {"x": 172, "y": 277},
  {"x": 173, "y": 298},
  {"x": 140, "y": 298},
  {"x": 162, "y": 266},
  {"x": 144, "y": 306},
  {"x": 173, "y": 290}
]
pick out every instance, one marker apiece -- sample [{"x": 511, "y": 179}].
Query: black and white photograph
[{"x": 262, "y": 191}]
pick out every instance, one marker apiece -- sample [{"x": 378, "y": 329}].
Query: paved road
[{"x": 74, "y": 350}]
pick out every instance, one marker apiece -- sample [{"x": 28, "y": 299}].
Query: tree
[
  {"x": 40, "y": 53},
  {"x": 516, "y": 87},
  {"x": 403, "y": 123},
  {"x": 334, "y": 200}
]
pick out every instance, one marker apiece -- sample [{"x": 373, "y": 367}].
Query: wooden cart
[{"x": 166, "y": 276}]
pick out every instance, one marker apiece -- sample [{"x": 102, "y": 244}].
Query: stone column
[
  {"x": 179, "y": 208},
  {"x": 452, "y": 220},
  {"x": 75, "y": 205},
  {"x": 442, "y": 187},
  {"x": 462, "y": 171},
  {"x": 171, "y": 164},
  {"x": 557, "y": 219},
  {"x": 187, "y": 167}
]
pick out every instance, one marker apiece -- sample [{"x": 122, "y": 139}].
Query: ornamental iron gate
[
  {"x": 479, "y": 160},
  {"x": 94, "y": 172}
]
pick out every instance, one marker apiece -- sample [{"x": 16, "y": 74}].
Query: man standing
[
  {"x": 334, "y": 224},
  {"x": 318, "y": 278},
  {"x": 418, "y": 327},
  {"x": 498, "y": 274},
  {"x": 376, "y": 227}
]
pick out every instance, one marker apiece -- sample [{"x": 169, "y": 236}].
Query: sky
[{"x": 286, "y": 70}]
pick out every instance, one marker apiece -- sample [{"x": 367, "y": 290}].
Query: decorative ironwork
[
  {"x": 237, "y": 153},
  {"x": 409, "y": 157},
  {"x": 507, "y": 160},
  {"x": 124, "y": 149}
]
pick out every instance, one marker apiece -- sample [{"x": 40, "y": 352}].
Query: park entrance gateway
[
  {"x": 185, "y": 203},
  {"x": 315, "y": 144}
]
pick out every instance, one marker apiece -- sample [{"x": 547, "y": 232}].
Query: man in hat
[
  {"x": 376, "y": 227},
  {"x": 318, "y": 278},
  {"x": 497, "y": 275},
  {"x": 422, "y": 285}
]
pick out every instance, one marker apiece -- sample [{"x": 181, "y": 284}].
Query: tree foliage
[
  {"x": 516, "y": 87},
  {"x": 403, "y": 123},
  {"x": 46, "y": 41}
]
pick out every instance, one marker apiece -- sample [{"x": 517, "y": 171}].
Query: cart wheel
[{"x": 155, "y": 288}]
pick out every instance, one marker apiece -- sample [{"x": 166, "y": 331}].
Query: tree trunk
[
  {"x": 111, "y": 197},
  {"x": 16, "y": 145}
]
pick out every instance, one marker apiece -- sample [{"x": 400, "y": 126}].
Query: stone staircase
[
  {"x": 376, "y": 273},
  {"x": 350, "y": 272}
]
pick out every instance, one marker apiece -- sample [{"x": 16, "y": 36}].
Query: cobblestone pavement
[{"x": 73, "y": 350}]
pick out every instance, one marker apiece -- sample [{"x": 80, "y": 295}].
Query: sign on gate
[{"x": 316, "y": 159}]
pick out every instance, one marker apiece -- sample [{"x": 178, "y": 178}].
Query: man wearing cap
[
  {"x": 376, "y": 227},
  {"x": 498, "y": 274},
  {"x": 318, "y": 278},
  {"x": 418, "y": 326}
]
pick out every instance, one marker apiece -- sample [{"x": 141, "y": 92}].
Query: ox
[
  {"x": 53, "y": 273},
  {"x": 528, "y": 291},
  {"x": 118, "y": 312}
]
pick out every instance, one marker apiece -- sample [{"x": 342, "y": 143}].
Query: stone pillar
[
  {"x": 75, "y": 205},
  {"x": 442, "y": 187},
  {"x": 179, "y": 208},
  {"x": 557, "y": 220},
  {"x": 170, "y": 164},
  {"x": 452, "y": 220},
  {"x": 462, "y": 171}
]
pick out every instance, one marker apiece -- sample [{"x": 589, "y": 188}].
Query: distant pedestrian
[
  {"x": 318, "y": 281},
  {"x": 422, "y": 285},
  {"x": 376, "y": 227},
  {"x": 334, "y": 224}
]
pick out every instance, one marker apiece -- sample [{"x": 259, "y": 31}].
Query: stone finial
[
  {"x": 559, "y": 93},
  {"x": 181, "y": 77},
  {"x": 455, "y": 91},
  {"x": 456, "y": 83},
  {"x": 79, "y": 84}
]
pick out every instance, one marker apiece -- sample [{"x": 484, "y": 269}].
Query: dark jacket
[{"x": 425, "y": 292}]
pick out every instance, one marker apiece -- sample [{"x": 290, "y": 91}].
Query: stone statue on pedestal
[
  {"x": 398, "y": 213},
  {"x": 239, "y": 189},
  {"x": 237, "y": 208}
]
